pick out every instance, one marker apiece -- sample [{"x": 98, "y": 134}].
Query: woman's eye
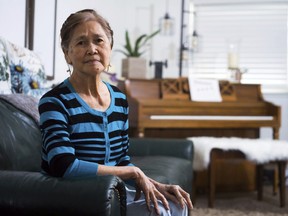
[
  {"x": 81, "y": 43},
  {"x": 99, "y": 40}
]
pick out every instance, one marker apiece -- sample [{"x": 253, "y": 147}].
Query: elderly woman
[{"x": 84, "y": 122}]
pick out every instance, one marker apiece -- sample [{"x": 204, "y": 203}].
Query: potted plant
[{"x": 134, "y": 66}]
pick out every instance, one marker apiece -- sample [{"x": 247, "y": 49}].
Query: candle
[{"x": 232, "y": 60}]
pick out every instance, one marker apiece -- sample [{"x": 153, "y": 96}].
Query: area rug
[{"x": 241, "y": 204}]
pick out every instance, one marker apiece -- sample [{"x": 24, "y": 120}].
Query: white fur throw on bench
[{"x": 257, "y": 150}]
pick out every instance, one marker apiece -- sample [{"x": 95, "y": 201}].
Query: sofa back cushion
[{"x": 20, "y": 139}]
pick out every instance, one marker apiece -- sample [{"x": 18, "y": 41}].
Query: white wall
[
  {"x": 12, "y": 20},
  {"x": 137, "y": 16}
]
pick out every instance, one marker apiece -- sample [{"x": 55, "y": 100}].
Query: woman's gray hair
[{"x": 80, "y": 17}]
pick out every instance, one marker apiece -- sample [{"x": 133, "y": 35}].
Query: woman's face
[{"x": 89, "y": 49}]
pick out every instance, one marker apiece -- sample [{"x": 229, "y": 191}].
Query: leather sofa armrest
[
  {"x": 32, "y": 193},
  {"x": 181, "y": 148}
]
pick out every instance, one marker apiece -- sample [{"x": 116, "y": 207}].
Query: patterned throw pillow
[
  {"x": 27, "y": 70},
  {"x": 5, "y": 84}
]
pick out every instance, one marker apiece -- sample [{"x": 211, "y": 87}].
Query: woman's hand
[
  {"x": 174, "y": 193},
  {"x": 151, "y": 189},
  {"x": 151, "y": 193}
]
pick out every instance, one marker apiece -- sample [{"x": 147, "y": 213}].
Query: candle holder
[
  {"x": 233, "y": 61},
  {"x": 236, "y": 74}
]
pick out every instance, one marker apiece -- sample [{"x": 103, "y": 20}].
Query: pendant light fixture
[
  {"x": 195, "y": 36},
  {"x": 167, "y": 23}
]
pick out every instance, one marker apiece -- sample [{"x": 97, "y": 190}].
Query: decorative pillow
[
  {"x": 5, "y": 84},
  {"x": 27, "y": 70}
]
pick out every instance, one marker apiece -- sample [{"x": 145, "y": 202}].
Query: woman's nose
[{"x": 92, "y": 49}]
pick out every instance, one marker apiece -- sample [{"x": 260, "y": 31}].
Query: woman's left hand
[{"x": 174, "y": 193}]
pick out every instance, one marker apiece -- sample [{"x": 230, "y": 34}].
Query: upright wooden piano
[{"x": 163, "y": 108}]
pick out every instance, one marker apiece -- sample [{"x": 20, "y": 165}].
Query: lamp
[
  {"x": 167, "y": 23},
  {"x": 194, "y": 37}
]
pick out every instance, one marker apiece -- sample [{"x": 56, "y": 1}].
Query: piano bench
[
  {"x": 220, "y": 154},
  {"x": 208, "y": 150}
]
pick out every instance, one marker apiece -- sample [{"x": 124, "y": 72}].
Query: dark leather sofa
[{"x": 25, "y": 191}]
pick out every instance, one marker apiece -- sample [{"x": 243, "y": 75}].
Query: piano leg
[{"x": 275, "y": 132}]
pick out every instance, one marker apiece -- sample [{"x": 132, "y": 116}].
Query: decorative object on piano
[
  {"x": 175, "y": 89},
  {"x": 205, "y": 90},
  {"x": 233, "y": 55},
  {"x": 134, "y": 66},
  {"x": 167, "y": 23},
  {"x": 159, "y": 68},
  {"x": 233, "y": 62},
  {"x": 236, "y": 74}
]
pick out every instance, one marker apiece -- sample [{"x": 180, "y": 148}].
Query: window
[{"x": 261, "y": 33}]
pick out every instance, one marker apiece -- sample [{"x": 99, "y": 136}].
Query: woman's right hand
[
  {"x": 142, "y": 184},
  {"x": 151, "y": 193}
]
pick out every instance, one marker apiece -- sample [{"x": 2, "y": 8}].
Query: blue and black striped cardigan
[{"x": 76, "y": 138}]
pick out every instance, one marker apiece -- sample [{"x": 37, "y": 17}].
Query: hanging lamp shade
[
  {"x": 195, "y": 41},
  {"x": 167, "y": 23}
]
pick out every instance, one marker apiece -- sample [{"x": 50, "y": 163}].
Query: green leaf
[
  {"x": 139, "y": 43},
  {"x": 128, "y": 44},
  {"x": 151, "y": 35}
]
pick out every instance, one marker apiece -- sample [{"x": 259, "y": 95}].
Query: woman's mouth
[{"x": 92, "y": 61}]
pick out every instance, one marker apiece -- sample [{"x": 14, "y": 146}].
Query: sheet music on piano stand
[{"x": 204, "y": 90}]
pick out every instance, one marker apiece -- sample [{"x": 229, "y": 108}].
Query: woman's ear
[{"x": 67, "y": 58}]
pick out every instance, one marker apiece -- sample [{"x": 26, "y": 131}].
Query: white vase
[{"x": 134, "y": 68}]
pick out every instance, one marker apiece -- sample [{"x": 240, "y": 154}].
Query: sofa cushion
[
  {"x": 20, "y": 140},
  {"x": 166, "y": 169}
]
